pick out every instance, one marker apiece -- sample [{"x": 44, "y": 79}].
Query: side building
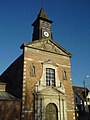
[
  {"x": 9, "y": 105},
  {"x": 82, "y": 101},
  {"x": 41, "y": 76}
]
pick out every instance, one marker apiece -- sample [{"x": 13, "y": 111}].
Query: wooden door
[{"x": 51, "y": 112}]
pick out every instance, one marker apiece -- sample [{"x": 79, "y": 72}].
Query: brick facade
[{"x": 36, "y": 57}]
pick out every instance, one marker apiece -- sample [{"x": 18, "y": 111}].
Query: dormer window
[{"x": 50, "y": 77}]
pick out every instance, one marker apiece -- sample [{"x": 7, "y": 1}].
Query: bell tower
[{"x": 42, "y": 27}]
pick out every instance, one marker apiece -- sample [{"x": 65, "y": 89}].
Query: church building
[{"x": 41, "y": 77}]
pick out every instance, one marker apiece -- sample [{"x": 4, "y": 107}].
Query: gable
[
  {"x": 50, "y": 91},
  {"x": 49, "y": 46}
]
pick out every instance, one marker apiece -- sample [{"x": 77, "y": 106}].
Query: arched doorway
[{"x": 51, "y": 112}]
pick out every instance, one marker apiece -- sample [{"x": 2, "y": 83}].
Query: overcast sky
[{"x": 71, "y": 29}]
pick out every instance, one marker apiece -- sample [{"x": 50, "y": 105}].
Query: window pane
[{"x": 50, "y": 77}]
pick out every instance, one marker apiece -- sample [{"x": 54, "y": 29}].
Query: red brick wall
[{"x": 36, "y": 58}]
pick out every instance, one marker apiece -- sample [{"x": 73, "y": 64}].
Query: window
[{"x": 50, "y": 77}]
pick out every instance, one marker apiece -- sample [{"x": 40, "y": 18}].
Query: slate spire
[
  {"x": 42, "y": 27},
  {"x": 42, "y": 14}
]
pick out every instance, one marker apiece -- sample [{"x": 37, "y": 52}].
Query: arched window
[
  {"x": 50, "y": 77},
  {"x": 51, "y": 112}
]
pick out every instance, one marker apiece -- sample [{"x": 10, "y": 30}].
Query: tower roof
[{"x": 42, "y": 14}]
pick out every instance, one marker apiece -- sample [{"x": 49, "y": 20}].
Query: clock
[{"x": 46, "y": 34}]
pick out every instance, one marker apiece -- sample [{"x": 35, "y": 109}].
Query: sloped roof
[
  {"x": 42, "y": 14},
  {"x": 80, "y": 91},
  {"x": 6, "y": 96}
]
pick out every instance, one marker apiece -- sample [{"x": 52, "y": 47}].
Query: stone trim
[
  {"x": 71, "y": 110},
  {"x": 23, "y": 90},
  {"x": 45, "y": 101},
  {"x": 29, "y": 59}
]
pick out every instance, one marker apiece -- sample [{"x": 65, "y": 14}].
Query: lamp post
[{"x": 84, "y": 82}]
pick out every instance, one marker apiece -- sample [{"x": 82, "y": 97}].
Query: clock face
[{"x": 46, "y": 34}]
